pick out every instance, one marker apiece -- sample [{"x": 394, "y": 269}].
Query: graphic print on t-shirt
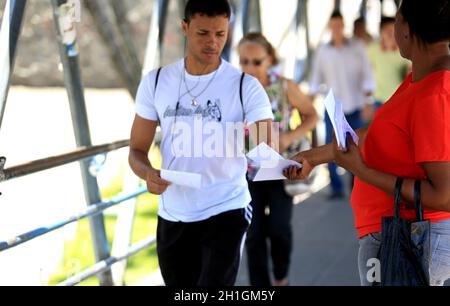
[{"x": 212, "y": 111}]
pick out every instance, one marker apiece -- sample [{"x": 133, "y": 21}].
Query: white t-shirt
[
  {"x": 347, "y": 71},
  {"x": 203, "y": 141}
]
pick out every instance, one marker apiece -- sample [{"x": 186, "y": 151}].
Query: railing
[
  {"x": 63, "y": 22},
  {"x": 105, "y": 265},
  {"x": 55, "y": 161},
  {"x": 95, "y": 209}
]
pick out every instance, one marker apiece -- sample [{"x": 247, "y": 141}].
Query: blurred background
[{"x": 116, "y": 43}]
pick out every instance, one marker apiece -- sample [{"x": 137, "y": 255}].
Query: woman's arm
[
  {"x": 304, "y": 105},
  {"x": 435, "y": 190},
  {"x": 317, "y": 156}
]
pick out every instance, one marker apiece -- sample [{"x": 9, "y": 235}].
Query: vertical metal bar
[
  {"x": 163, "y": 10},
  {"x": 239, "y": 29},
  {"x": 226, "y": 54},
  {"x": 245, "y": 9},
  {"x": 69, "y": 59},
  {"x": 300, "y": 22},
  {"x": 363, "y": 9},
  {"x": 99, "y": 10},
  {"x": 302, "y": 19},
  {"x": 254, "y": 17},
  {"x": 124, "y": 227},
  {"x": 155, "y": 35},
  {"x": 9, "y": 35},
  {"x": 337, "y": 5},
  {"x": 305, "y": 22},
  {"x": 123, "y": 24},
  {"x": 2, "y": 167}
]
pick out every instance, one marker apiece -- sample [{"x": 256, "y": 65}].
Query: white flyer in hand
[
  {"x": 337, "y": 117},
  {"x": 263, "y": 153},
  {"x": 271, "y": 164},
  {"x": 186, "y": 179}
]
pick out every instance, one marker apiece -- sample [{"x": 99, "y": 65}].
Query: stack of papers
[
  {"x": 340, "y": 124},
  {"x": 270, "y": 163}
]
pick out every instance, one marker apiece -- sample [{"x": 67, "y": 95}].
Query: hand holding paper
[
  {"x": 186, "y": 179},
  {"x": 340, "y": 124},
  {"x": 271, "y": 164}
]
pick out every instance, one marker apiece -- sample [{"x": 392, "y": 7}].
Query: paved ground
[{"x": 325, "y": 244}]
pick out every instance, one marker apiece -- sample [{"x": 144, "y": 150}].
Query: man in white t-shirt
[{"x": 200, "y": 102}]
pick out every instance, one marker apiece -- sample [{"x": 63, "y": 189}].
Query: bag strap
[
  {"x": 417, "y": 200},
  {"x": 397, "y": 197},
  {"x": 241, "y": 85},
  {"x": 157, "y": 77}
]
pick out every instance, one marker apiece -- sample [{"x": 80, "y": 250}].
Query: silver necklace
[{"x": 189, "y": 91}]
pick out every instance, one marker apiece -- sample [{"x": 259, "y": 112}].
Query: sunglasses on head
[{"x": 254, "y": 62}]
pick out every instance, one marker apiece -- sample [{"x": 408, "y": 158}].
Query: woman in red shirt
[{"x": 409, "y": 137}]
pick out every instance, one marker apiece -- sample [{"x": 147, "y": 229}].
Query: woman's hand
[
  {"x": 350, "y": 158},
  {"x": 295, "y": 173}
]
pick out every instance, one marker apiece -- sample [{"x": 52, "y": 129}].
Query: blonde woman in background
[{"x": 257, "y": 58}]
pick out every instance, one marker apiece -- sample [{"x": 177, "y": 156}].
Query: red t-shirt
[{"x": 410, "y": 128}]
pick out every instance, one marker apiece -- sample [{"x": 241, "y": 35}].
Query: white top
[
  {"x": 347, "y": 71},
  {"x": 201, "y": 143}
]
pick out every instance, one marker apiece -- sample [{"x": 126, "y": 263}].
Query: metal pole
[
  {"x": 245, "y": 9},
  {"x": 106, "y": 264},
  {"x": 120, "y": 12},
  {"x": 254, "y": 17},
  {"x": 155, "y": 35},
  {"x": 2, "y": 166},
  {"x": 337, "y": 5},
  {"x": 363, "y": 9},
  {"x": 302, "y": 20},
  {"x": 56, "y": 161},
  {"x": 9, "y": 35},
  {"x": 69, "y": 59},
  {"x": 93, "y": 210},
  {"x": 308, "y": 37},
  {"x": 163, "y": 9},
  {"x": 116, "y": 45},
  {"x": 302, "y": 15},
  {"x": 226, "y": 54},
  {"x": 239, "y": 29},
  {"x": 124, "y": 227}
]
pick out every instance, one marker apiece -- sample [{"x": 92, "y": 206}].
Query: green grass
[{"x": 79, "y": 254}]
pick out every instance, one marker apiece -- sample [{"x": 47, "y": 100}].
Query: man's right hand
[{"x": 155, "y": 184}]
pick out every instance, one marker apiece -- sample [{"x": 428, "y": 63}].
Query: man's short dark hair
[
  {"x": 386, "y": 21},
  {"x": 336, "y": 14},
  {"x": 429, "y": 21},
  {"x": 210, "y": 8},
  {"x": 359, "y": 21}
]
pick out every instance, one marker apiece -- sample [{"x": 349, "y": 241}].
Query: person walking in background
[
  {"x": 201, "y": 230},
  {"x": 408, "y": 138},
  {"x": 342, "y": 65},
  {"x": 257, "y": 58},
  {"x": 390, "y": 69},
  {"x": 360, "y": 31}
]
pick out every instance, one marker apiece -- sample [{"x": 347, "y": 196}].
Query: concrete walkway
[{"x": 325, "y": 250}]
